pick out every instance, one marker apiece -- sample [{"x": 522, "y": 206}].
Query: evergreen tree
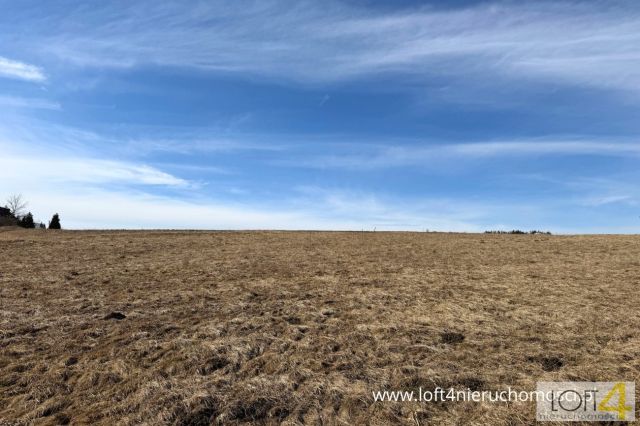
[
  {"x": 26, "y": 221},
  {"x": 55, "y": 222}
]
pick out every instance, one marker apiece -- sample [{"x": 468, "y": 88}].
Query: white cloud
[
  {"x": 588, "y": 43},
  {"x": 131, "y": 141},
  {"x": 618, "y": 189},
  {"x": 96, "y": 208},
  {"x": 97, "y": 193},
  {"x": 608, "y": 199},
  {"x": 102, "y": 193},
  {"x": 199, "y": 142},
  {"x": 87, "y": 207},
  {"x": 368, "y": 210},
  {"x": 31, "y": 103},
  {"x": 20, "y": 70},
  {"x": 417, "y": 155},
  {"x": 33, "y": 170}
]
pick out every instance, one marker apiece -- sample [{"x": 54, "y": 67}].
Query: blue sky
[{"x": 452, "y": 116}]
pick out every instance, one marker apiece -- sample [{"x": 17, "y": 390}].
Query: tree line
[
  {"x": 13, "y": 213},
  {"x": 518, "y": 231}
]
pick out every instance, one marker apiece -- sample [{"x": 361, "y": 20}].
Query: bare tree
[{"x": 17, "y": 204}]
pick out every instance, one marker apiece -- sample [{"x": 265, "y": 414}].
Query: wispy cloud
[
  {"x": 83, "y": 206},
  {"x": 324, "y": 100},
  {"x": 31, "y": 103},
  {"x": 615, "y": 189},
  {"x": 608, "y": 199},
  {"x": 127, "y": 141},
  {"x": 371, "y": 210},
  {"x": 189, "y": 143},
  {"x": 138, "y": 210},
  {"x": 99, "y": 193},
  {"x": 21, "y": 170},
  {"x": 36, "y": 153},
  {"x": 589, "y": 43},
  {"x": 95, "y": 192},
  {"x": 20, "y": 70},
  {"x": 374, "y": 157}
]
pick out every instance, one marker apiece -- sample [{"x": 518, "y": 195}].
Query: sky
[{"x": 346, "y": 115}]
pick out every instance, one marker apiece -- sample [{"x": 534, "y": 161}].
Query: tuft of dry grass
[{"x": 193, "y": 328}]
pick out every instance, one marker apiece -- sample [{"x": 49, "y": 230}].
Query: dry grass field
[{"x": 192, "y": 328}]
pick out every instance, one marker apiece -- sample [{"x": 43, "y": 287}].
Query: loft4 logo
[
  {"x": 572, "y": 400},
  {"x": 585, "y": 401},
  {"x": 617, "y": 393}
]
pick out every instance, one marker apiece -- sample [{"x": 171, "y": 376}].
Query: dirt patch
[
  {"x": 551, "y": 363},
  {"x": 451, "y": 338},
  {"x": 71, "y": 361},
  {"x": 115, "y": 316}
]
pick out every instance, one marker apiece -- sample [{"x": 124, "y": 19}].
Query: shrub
[
  {"x": 517, "y": 231},
  {"x": 7, "y": 218},
  {"x": 8, "y": 221},
  {"x": 54, "y": 223},
  {"x": 26, "y": 221}
]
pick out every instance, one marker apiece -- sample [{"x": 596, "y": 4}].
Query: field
[{"x": 192, "y": 328}]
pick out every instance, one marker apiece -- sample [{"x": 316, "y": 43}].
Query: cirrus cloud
[
  {"x": 567, "y": 42},
  {"x": 20, "y": 70}
]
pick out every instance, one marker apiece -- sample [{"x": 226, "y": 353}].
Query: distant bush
[
  {"x": 26, "y": 221},
  {"x": 517, "y": 231},
  {"x": 8, "y": 221},
  {"x": 540, "y": 232},
  {"x": 7, "y": 218},
  {"x": 54, "y": 223}
]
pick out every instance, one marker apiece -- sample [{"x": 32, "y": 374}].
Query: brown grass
[{"x": 189, "y": 328}]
